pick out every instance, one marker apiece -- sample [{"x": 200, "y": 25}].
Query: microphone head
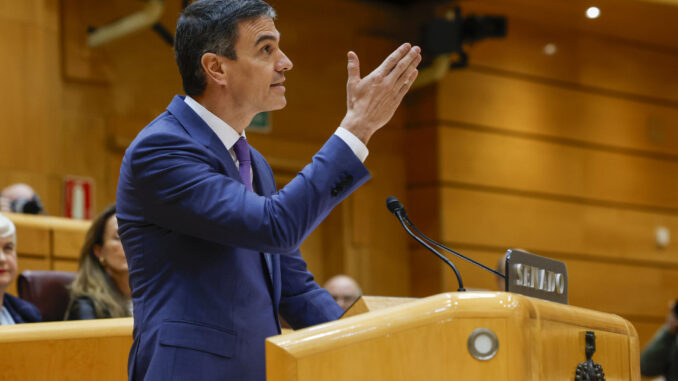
[{"x": 394, "y": 206}]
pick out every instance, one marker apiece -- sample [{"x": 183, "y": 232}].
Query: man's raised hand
[{"x": 371, "y": 101}]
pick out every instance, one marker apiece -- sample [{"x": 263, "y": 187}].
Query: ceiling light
[{"x": 593, "y": 12}]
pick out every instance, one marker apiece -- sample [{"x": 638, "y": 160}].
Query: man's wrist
[
  {"x": 354, "y": 127},
  {"x": 355, "y": 144}
]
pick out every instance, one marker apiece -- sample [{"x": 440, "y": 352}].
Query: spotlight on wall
[
  {"x": 447, "y": 35},
  {"x": 593, "y": 12},
  {"x": 550, "y": 49}
]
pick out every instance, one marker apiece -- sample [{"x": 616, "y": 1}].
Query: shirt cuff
[{"x": 357, "y": 146}]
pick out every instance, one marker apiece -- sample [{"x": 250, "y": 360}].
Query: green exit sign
[{"x": 261, "y": 123}]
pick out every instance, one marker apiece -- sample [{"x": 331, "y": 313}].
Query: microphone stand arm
[
  {"x": 442, "y": 257},
  {"x": 429, "y": 240}
]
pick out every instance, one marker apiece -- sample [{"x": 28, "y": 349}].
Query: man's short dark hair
[{"x": 211, "y": 26}]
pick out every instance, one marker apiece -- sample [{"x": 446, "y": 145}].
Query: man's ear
[{"x": 214, "y": 67}]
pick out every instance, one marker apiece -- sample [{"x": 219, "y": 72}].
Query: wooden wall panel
[
  {"x": 316, "y": 85},
  {"x": 502, "y": 220},
  {"x": 68, "y": 240},
  {"x": 29, "y": 110},
  {"x": 380, "y": 258},
  {"x": 516, "y": 163},
  {"x": 79, "y": 62},
  {"x": 33, "y": 241},
  {"x": 512, "y": 105},
  {"x": 65, "y": 265},
  {"x": 589, "y": 61},
  {"x": 40, "y": 12},
  {"x": 634, "y": 22},
  {"x": 570, "y": 156}
]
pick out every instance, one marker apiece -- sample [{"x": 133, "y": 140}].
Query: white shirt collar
[
  {"x": 227, "y": 134},
  {"x": 5, "y": 316}
]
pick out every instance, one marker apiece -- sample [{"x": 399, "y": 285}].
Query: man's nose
[{"x": 284, "y": 63}]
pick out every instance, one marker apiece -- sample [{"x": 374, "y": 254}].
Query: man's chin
[{"x": 279, "y": 105}]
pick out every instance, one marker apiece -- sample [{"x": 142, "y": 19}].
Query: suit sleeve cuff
[{"x": 358, "y": 147}]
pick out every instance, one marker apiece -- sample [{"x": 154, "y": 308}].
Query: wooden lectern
[{"x": 458, "y": 336}]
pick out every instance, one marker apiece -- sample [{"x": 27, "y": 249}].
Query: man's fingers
[
  {"x": 392, "y": 60},
  {"x": 407, "y": 83},
  {"x": 412, "y": 58},
  {"x": 353, "y": 68},
  {"x": 406, "y": 70}
]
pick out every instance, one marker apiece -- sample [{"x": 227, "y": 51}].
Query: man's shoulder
[
  {"x": 164, "y": 124},
  {"x": 164, "y": 134}
]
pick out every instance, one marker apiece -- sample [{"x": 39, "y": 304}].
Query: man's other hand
[{"x": 372, "y": 101}]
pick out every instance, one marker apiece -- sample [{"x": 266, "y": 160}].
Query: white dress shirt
[
  {"x": 229, "y": 136},
  {"x": 5, "y": 317}
]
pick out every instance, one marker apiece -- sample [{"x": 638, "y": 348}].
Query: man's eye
[{"x": 267, "y": 49}]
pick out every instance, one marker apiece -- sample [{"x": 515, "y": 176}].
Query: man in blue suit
[{"x": 213, "y": 248}]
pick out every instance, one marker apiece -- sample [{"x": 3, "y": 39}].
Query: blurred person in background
[
  {"x": 660, "y": 356},
  {"x": 20, "y": 198},
  {"x": 344, "y": 290},
  {"x": 14, "y": 310},
  {"x": 101, "y": 287}
]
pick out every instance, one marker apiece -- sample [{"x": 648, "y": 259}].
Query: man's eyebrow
[{"x": 266, "y": 37}]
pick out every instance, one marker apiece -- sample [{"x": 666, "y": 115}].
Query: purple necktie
[{"x": 242, "y": 153}]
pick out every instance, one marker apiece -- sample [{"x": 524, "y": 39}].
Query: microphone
[{"x": 395, "y": 207}]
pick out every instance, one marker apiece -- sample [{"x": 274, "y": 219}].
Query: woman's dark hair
[
  {"x": 92, "y": 280},
  {"x": 211, "y": 26}
]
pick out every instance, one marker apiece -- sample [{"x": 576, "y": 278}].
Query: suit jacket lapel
[
  {"x": 266, "y": 186},
  {"x": 201, "y": 132},
  {"x": 262, "y": 180}
]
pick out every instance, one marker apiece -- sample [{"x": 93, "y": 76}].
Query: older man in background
[{"x": 344, "y": 290}]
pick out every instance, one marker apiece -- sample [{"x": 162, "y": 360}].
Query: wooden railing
[{"x": 70, "y": 350}]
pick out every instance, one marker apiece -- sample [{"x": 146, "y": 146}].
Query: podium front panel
[{"x": 428, "y": 339}]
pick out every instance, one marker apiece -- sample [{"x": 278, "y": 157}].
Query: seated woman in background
[
  {"x": 14, "y": 310},
  {"x": 101, "y": 287}
]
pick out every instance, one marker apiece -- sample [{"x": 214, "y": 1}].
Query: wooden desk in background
[{"x": 70, "y": 350}]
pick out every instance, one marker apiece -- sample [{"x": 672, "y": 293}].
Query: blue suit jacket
[
  {"x": 21, "y": 310},
  {"x": 212, "y": 264}
]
